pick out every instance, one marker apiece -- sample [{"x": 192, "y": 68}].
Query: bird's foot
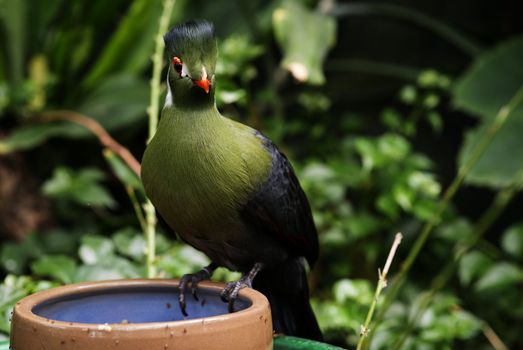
[
  {"x": 230, "y": 293},
  {"x": 193, "y": 279}
]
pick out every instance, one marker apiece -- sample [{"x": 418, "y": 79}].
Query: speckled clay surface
[{"x": 250, "y": 328}]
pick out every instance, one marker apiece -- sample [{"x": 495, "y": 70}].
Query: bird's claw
[
  {"x": 230, "y": 293},
  {"x": 193, "y": 279}
]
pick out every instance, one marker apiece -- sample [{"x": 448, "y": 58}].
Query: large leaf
[
  {"x": 117, "y": 102},
  {"x": 132, "y": 43},
  {"x": 304, "y": 37},
  {"x": 486, "y": 86},
  {"x": 32, "y": 135},
  {"x": 12, "y": 24}
]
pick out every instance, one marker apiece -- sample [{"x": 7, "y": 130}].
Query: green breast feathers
[{"x": 200, "y": 169}]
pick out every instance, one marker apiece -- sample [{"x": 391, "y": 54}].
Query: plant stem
[
  {"x": 460, "y": 249},
  {"x": 382, "y": 283},
  {"x": 150, "y": 237},
  {"x": 461, "y": 41},
  {"x": 137, "y": 209},
  {"x": 153, "y": 111},
  {"x": 157, "y": 58},
  {"x": 477, "y": 152}
]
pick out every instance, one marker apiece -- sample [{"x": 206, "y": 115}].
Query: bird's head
[{"x": 191, "y": 52}]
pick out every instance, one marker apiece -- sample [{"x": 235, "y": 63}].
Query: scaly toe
[
  {"x": 193, "y": 279},
  {"x": 226, "y": 292},
  {"x": 194, "y": 287},
  {"x": 231, "y": 291},
  {"x": 181, "y": 296}
]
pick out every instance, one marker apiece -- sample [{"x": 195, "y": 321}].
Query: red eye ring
[{"x": 178, "y": 64}]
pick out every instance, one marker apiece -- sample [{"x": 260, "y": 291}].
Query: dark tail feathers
[{"x": 286, "y": 288}]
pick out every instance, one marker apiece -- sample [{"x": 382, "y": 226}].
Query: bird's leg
[
  {"x": 230, "y": 292},
  {"x": 193, "y": 279}
]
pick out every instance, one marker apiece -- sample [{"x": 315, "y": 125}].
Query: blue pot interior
[{"x": 136, "y": 304}]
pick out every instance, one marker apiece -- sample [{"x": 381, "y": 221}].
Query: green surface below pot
[
  {"x": 280, "y": 343},
  {"x": 293, "y": 343}
]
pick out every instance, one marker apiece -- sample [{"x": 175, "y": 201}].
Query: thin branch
[
  {"x": 98, "y": 130},
  {"x": 395, "y": 244},
  {"x": 382, "y": 283},
  {"x": 493, "y": 338}
]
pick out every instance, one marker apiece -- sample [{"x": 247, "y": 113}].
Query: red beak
[{"x": 203, "y": 83}]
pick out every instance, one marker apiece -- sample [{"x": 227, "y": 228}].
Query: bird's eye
[{"x": 178, "y": 64}]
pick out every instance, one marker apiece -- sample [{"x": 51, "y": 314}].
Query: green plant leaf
[
  {"x": 58, "y": 241},
  {"x": 111, "y": 267},
  {"x": 486, "y": 86},
  {"x": 130, "y": 242},
  {"x": 473, "y": 265},
  {"x": 95, "y": 249},
  {"x": 386, "y": 149},
  {"x": 13, "y": 15},
  {"x": 32, "y": 135},
  {"x": 59, "y": 267},
  {"x": 347, "y": 291},
  {"x": 450, "y": 325},
  {"x": 14, "y": 257},
  {"x": 132, "y": 42},
  {"x": 123, "y": 172},
  {"x": 499, "y": 277},
  {"x": 181, "y": 259},
  {"x": 512, "y": 240},
  {"x": 81, "y": 187},
  {"x": 12, "y": 289},
  {"x": 305, "y": 37},
  {"x": 116, "y": 102},
  {"x": 236, "y": 52}
]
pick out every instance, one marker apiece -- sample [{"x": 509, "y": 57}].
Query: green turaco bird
[{"x": 225, "y": 189}]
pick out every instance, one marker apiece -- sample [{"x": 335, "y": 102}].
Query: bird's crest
[{"x": 189, "y": 36}]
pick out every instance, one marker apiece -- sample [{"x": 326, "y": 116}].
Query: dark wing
[{"x": 281, "y": 209}]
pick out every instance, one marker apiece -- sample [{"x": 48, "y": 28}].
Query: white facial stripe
[
  {"x": 204, "y": 73},
  {"x": 185, "y": 71},
  {"x": 169, "y": 97}
]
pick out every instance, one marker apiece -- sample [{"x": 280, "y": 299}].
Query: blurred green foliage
[{"x": 366, "y": 170}]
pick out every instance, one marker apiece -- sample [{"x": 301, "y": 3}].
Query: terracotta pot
[{"x": 139, "y": 314}]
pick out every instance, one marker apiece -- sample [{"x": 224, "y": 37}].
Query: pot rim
[{"x": 24, "y": 307}]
